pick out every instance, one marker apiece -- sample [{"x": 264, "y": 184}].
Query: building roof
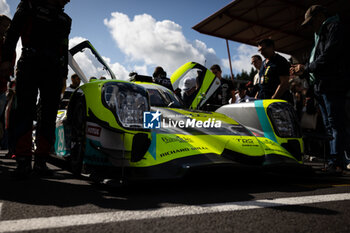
[{"x": 248, "y": 21}]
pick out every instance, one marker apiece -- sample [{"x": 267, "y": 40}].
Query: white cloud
[
  {"x": 74, "y": 41},
  {"x": 4, "y": 8},
  {"x": 90, "y": 66},
  {"x": 210, "y": 55},
  {"x": 119, "y": 70},
  {"x": 156, "y": 43},
  {"x": 241, "y": 60},
  {"x": 140, "y": 69}
]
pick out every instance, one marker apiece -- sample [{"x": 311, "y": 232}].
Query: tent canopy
[{"x": 248, "y": 21}]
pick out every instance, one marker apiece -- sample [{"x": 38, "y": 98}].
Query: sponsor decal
[
  {"x": 60, "y": 145},
  {"x": 174, "y": 152},
  {"x": 94, "y": 131},
  {"x": 247, "y": 142},
  {"x": 192, "y": 123},
  {"x": 171, "y": 152},
  {"x": 268, "y": 142},
  {"x": 176, "y": 139},
  {"x": 152, "y": 120}
]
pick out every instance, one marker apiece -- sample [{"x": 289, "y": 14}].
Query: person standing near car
[
  {"x": 274, "y": 73},
  {"x": 72, "y": 87},
  {"x": 44, "y": 29},
  {"x": 224, "y": 93},
  {"x": 329, "y": 77},
  {"x": 67, "y": 92},
  {"x": 159, "y": 77},
  {"x": 4, "y": 24},
  {"x": 256, "y": 61},
  {"x": 75, "y": 83},
  {"x": 189, "y": 91}
]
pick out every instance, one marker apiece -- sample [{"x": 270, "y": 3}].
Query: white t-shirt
[{"x": 245, "y": 99}]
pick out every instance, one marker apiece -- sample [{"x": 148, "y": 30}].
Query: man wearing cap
[
  {"x": 44, "y": 29},
  {"x": 328, "y": 76}
]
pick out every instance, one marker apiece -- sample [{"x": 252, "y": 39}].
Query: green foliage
[
  {"x": 245, "y": 76},
  {"x": 241, "y": 78},
  {"x": 226, "y": 76}
]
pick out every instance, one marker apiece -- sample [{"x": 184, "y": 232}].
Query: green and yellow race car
[{"x": 141, "y": 130}]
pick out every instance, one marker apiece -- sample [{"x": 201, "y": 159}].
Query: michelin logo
[{"x": 151, "y": 120}]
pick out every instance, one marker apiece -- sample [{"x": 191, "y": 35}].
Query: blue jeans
[{"x": 332, "y": 108}]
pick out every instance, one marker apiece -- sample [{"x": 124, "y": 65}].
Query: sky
[{"x": 138, "y": 35}]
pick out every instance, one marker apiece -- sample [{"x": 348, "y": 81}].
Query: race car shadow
[
  {"x": 64, "y": 191},
  {"x": 305, "y": 209}
]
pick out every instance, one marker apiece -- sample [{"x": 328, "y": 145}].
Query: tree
[{"x": 244, "y": 76}]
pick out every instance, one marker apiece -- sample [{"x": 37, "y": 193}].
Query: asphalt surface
[{"x": 235, "y": 201}]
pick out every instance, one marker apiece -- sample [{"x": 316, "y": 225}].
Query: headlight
[
  {"x": 284, "y": 120},
  {"x": 127, "y": 101}
]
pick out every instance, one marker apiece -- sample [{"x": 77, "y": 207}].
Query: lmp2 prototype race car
[{"x": 141, "y": 130}]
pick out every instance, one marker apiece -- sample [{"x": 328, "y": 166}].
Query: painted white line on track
[{"x": 121, "y": 216}]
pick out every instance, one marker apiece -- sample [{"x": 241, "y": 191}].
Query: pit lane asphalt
[{"x": 64, "y": 198}]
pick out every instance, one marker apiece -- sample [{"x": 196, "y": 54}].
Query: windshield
[{"x": 162, "y": 97}]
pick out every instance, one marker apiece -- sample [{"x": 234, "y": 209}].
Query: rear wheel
[{"x": 77, "y": 122}]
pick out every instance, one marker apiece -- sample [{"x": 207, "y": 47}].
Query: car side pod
[{"x": 273, "y": 122}]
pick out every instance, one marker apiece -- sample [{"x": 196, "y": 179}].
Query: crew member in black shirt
[
  {"x": 223, "y": 94},
  {"x": 274, "y": 73},
  {"x": 44, "y": 29}
]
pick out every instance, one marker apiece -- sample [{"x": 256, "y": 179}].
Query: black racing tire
[{"x": 77, "y": 122}]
